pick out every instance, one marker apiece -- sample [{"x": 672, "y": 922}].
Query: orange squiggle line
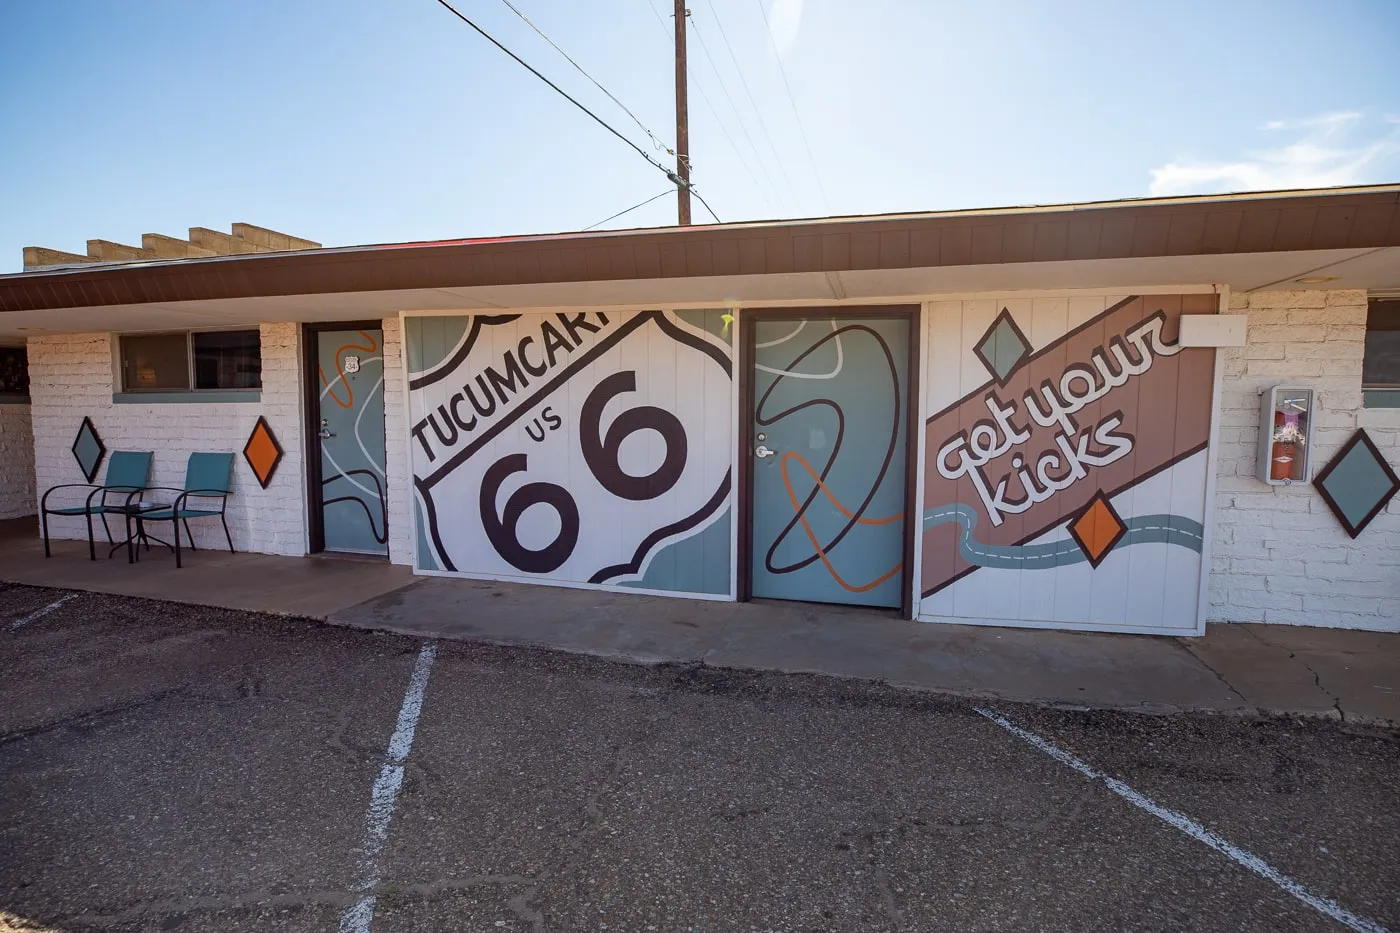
[
  {"x": 340, "y": 373},
  {"x": 830, "y": 496},
  {"x": 812, "y": 537}
]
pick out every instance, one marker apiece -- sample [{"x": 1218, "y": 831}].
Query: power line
[
  {"x": 656, "y": 142},
  {"x": 564, "y": 94},
  {"x": 714, "y": 112},
  {"x": 743, "y": 128},
  {"x": 744, "y": 81},
  {"x": 773, "y": 44},
  {"x": 630, "y": 209}
]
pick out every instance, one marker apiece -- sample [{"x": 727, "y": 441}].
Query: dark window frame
[
  {"x": 191, "y": 380},
  {"x": 1382, "y": 316},
  {"x": 8, "y": 394}
]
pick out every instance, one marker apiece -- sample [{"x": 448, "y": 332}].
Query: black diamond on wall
[
  {"x": 1357, "y": 483},
  {"x": 88, "y": 450}
]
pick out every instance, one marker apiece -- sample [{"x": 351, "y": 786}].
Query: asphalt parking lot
[{"x": 167, "y": 767}]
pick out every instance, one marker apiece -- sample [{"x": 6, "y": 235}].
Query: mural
[
  {"x": 579, "y": 447},
  {"x": 355, "y": 509},
  {"x": 1065, "y": 468},
  {"x": 830, "y": 410}
]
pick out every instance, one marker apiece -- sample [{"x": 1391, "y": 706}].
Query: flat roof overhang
[{"x": 1244, "y": 241}]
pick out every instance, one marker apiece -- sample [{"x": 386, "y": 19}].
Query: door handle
[
  {"x": 762, "y": 451},
  {"x": 324, "y": 433}
]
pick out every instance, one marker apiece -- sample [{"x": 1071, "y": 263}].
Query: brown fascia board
[{"x": 1339, "y": 219}]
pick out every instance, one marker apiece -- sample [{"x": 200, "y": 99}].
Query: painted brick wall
[
  {"x": 397, "y": 477},
  {"x": 16, "y": 462},
  {"x": 71, "y": 376},
  {"x": 1279, "y": 554}
]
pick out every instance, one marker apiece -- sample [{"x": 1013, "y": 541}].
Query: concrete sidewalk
[
  {"x": 1235, "y": 668},
  {"x": 1349, "y": 675},
  {"x": 253, "y": 582}
]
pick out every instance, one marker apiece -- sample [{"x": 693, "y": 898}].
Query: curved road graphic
[{"x": 1142, "y": 529}]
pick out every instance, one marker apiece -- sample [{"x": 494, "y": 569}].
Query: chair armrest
[
  {"x": 199, "y": 493},
  {"x": 159, "y": 489},
  {"x": 44, "y": 502}
]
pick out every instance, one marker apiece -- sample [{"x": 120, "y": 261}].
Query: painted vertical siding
[
  {"x": 71, "y": 376},
  {"x": 582, "y": 448},
  {"x": 399, "y": 480},
  {"x": 1094, "y": 518},
  {"x": 1280, "y": 555}
]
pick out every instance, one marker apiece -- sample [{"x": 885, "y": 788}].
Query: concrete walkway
[
  {"x": 1236, "y": 668},
  {"x": 254, "y": 582}
]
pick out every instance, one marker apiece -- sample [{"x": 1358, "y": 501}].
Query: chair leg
[
  {"x": 44, "y": 527},
  {"x": 175, "y": 523},
  {"x": 227, "y": 537},
  {"x": 92, "y": 548},
  {"x": 190, "y": 535},
  {"x": 107, "y": 528}
]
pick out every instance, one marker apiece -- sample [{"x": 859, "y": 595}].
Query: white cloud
[
  {"x": 1324, "y": 151},
  {"x": 785, "y": 19}
]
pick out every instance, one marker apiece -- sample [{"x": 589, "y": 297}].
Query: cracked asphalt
[{"x": 167, "y": 767}]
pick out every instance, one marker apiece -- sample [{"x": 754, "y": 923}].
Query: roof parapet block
[
  {"x": 271, "y": 239},
  {"x": 108, "y": 251},
  {"x": 171, "y": 247},
  {"x": 41, "y": 257},
  {"x": 203, "y": 243}
]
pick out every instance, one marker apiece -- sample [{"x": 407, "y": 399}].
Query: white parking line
[
  {"x": 1193, "y": 829},
  {"x": 41, "y": 612},
  {"x": 359, "y": 915}
]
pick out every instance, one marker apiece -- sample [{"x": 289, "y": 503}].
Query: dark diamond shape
[
  {"x": 1357, "y": 483},
  {"x": 1097, "y": 528},
  {"x": 262, "y": 452},
  {"x": 88, "y": 450},
  {"x": 1003, "y": 348}
]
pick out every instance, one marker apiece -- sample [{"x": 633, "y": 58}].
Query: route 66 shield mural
[{"x": 579, "y": 447}]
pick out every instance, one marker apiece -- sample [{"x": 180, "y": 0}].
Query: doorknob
[{"x": 762, "y": 451}]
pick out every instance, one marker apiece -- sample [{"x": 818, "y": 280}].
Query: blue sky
[{"x": 358, "y": 121}]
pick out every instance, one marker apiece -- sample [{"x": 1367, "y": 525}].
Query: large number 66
[
  {"x": 601, "y": 453},
  {"x": 502, "y": 531}
]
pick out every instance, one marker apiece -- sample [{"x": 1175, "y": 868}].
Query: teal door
[
  {"x": 829, "y": 425},
  {"x": 354, "y": 501}
]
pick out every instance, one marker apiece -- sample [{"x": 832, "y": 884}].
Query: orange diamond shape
[
  {"x": 1097, "y": 529},
  {"x": 262, "y": 452}
]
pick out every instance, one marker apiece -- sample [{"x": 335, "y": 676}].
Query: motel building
[{"x": 1135, "y": 416}]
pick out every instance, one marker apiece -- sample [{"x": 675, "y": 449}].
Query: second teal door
[
  {"x": 828, "y": 448},
  {"x": 354, "y": 507}
]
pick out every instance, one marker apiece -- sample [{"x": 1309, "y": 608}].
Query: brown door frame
[
  {"x": 748, "y": 318},
  {"x": 311, "y": 427}
]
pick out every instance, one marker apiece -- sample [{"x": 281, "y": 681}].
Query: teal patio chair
[
  {"x": 208, "y": 477},
  {"x": 128, "y": 472}
]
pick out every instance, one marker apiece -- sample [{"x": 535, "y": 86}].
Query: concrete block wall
[
  {"x": 1279, "y": 553},
  {"x": 398, "y": 479},
  {"x": 16, "y": 462},
  {"x": 72, "y": 376}
]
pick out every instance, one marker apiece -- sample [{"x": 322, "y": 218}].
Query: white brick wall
[
  {"x": 16, "y": 462},
  {"x": 1279, "y": 553},
  {"x": 72, "y": 375},
  {"x": 398, "y": 479}
]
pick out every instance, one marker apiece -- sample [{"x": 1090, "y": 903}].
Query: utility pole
[{"x": 682, "y": 121}]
